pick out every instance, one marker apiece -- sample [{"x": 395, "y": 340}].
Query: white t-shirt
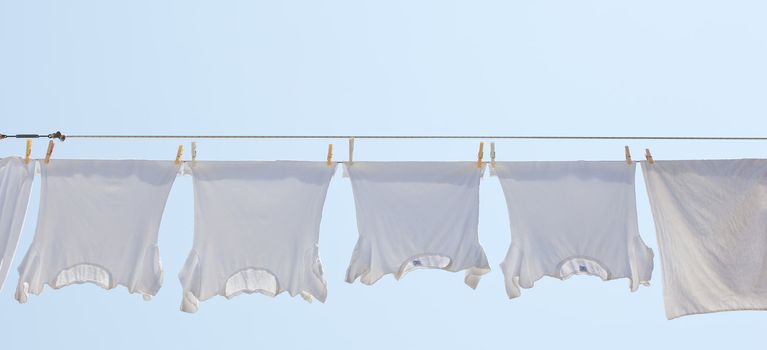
[
  {"x": 256, "y": 230},
  {"x": 572, "y": 218},
  {"x": 711, "y": 220},
  {"x": 413, "y": 215},
  {"x": 15, "y": 184},
  {"x": 98, "y": 223}
]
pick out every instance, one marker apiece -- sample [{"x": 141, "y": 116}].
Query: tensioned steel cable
[{"x": 58, "y": 135}]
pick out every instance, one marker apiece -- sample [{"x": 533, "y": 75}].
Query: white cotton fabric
[
  {"x": 571, "y": 218},
  {"x": 98, "y": 222},
  {"x": 413, "y": 215},
  {"x": 15, "y": 184},
  {"x": 711, "y": 221},
  {"x": 256, "y": 230}
]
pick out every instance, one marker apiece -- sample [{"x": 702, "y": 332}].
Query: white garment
[
  {"x": 572, "y": 218},
  {"x": 98, "y": 222},
  {"x": 15, "y": 185},
  {"x": 711, "y": 221},
  {"x": 413, "y": 215},
  {"x": 256, "y": 230}
]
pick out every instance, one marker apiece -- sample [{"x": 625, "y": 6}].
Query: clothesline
[{"x": 60, "y": 136}]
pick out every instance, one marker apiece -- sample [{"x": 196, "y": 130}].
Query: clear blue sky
[{"x": 379, "y": 67}]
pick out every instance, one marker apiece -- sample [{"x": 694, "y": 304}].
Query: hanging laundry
[
  {"x": 256, "y": 230},
  {"x": 711, "y": 221},
  {"x": 98, "y": 223},
  {"x": 15, "y": 185},
  {"x": 572, "y": 218},
  {"x": 414, "y": 215}
]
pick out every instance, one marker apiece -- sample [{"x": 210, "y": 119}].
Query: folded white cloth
[
  {"x": 572, "y": 218},
  {"x": 98, "y": 223},
  {"x": 15, "y": 184},
  {"x": 711, "y": 221},
  {"x": 413, "y": 215},
  {"x": 256, "y": 230}
]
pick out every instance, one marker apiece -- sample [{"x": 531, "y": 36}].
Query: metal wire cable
[{"x": 62, "y": 137}]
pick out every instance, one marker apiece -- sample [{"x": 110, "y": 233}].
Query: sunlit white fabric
[
  {"x": 98, "y": 223},
  {"x": 572, "y": 218},
  {"x": 15, "y": 185},
  {"x": 413, "y": 215},
  {"x": 711, "y": 220},
  {"x": 256, "y": 230}
]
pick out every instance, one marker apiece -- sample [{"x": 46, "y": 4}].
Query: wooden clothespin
[
  {"x": 628, "y": 156},
  {"x": 351, "y": 151},
  {"x": 28, "y": 152},
  {"x": 648, "y": 156},
  {"x": 330, "y": 154},
  {"x": 492, "y": 154},
  {"x": 49, "y": 152},
  {"x": 480, "y": 154},
  {"x": 179, "y": 153},
  {"x": 194, "y": 151}
]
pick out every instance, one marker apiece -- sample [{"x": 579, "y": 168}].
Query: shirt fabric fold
[{"x": 15, "y": 185}]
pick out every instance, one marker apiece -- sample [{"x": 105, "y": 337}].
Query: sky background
[{"x": 666, "y": 68}]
